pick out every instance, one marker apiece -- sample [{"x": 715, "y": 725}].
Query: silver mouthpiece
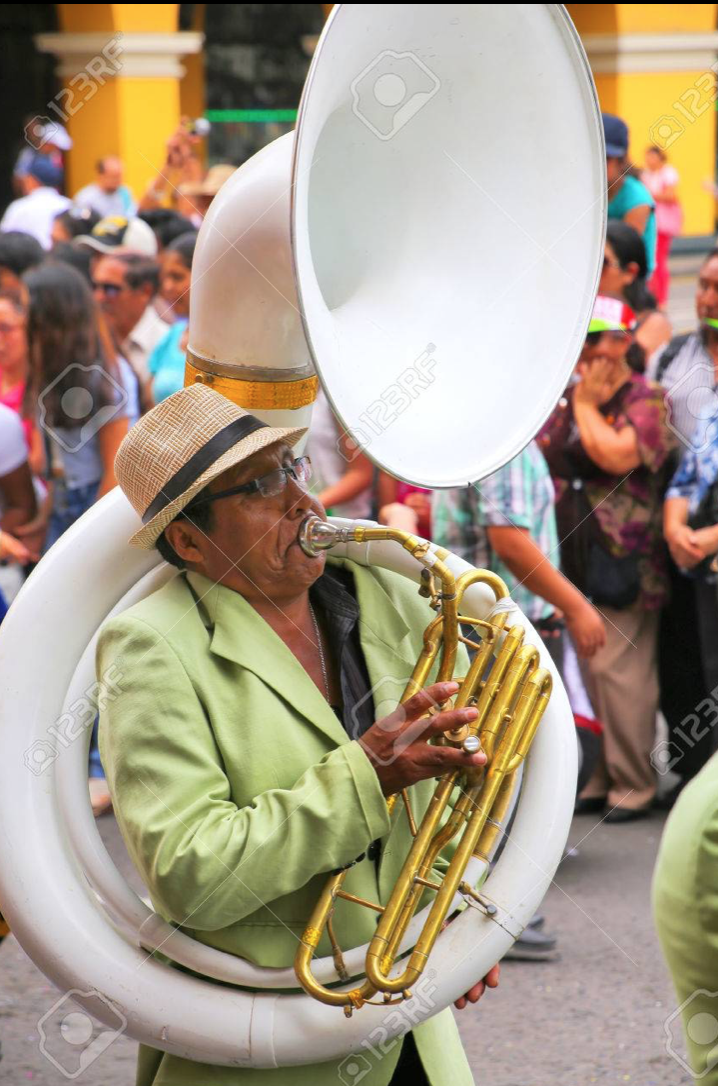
[{"x": 315, "y": 536}]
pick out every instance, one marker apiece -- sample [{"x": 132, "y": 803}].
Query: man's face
[
  {"x": 610, "y": 347},
  {"x": 121, "y": 305},
  {"x": 111, "y": 177},
  {"x": 615, "y": 169},
  {"x": 10, "y": 281},
  {"x": 252, "y": 545},
  {"x": 707, "y": 292}
]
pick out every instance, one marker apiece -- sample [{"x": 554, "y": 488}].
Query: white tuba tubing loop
[
  {"x": 129, "y": 912},
  {"x": 58, "y": 918}
]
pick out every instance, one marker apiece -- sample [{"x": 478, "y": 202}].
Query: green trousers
[{"x": 685, "y": 906}]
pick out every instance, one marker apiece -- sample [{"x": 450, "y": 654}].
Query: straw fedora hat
[{"x": 179, "y": 447}]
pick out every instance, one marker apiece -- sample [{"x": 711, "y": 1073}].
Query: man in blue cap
[
  {"x": 36, "y": 210},
  {"x": 628, "y": 198}
]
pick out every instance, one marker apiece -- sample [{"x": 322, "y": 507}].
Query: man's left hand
[{"x": 491, "y": 980}]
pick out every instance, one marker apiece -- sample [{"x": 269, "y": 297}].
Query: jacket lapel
[{"x": 239, "y": 633}]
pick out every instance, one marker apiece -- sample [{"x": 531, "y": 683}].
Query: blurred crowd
[{"x": 605, "y": 528}]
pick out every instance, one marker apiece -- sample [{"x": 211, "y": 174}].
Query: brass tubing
[
  {"x": 510, "y": 704},
  {"x": 442, "y": 902},
  {"x": 394, "y": 907},
  {"x": 310, "y": 941},
  {"x": 409, "y": 812},
  {"x": 509, "y": 742},
  {"x": 360, "y": 901},
  {"x": 531, "y": 711},
  {"x": 498, "y": 813},
  {"x": 439, "y": 840},
  {"x": 501, "y": 690},
  {"x": 426, "y": 882}
]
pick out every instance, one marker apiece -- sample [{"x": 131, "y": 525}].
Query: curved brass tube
[{"x": 510, "y": 698}]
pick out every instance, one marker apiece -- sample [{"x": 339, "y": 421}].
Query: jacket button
[{"x": 374, "y": 851}]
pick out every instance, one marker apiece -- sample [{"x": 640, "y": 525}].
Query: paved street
[{"x": 594, "y": 1016}]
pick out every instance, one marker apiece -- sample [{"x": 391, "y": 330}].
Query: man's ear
[{"x": 182, "y": 537}]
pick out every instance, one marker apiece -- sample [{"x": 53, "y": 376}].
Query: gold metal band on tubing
[{"x": 256, "y": 395}]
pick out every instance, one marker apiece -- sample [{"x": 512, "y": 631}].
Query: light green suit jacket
[{"x": 237, "y": 789}]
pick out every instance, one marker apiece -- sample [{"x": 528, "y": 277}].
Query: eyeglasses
[
  {"x": 269, "y": 485},
  {"x": 110, "y": 289}
]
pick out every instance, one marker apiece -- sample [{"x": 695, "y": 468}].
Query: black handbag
[
  {"x": 612, "y": 581},
  {"x": 604, "y": 578}
]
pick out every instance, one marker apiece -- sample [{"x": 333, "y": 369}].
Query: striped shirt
[
  {"x": 520, "y": 494},
  {"x": 691, "y": 397}
]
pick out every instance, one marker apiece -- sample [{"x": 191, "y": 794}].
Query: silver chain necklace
[{"x": 322, "y": 661}]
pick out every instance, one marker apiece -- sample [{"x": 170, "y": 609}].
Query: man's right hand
[{"x": 397, "y": 745}]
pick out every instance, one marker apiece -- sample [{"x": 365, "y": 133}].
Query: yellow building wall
[
  {"x": 675, "y": 109},
  {"x": 130, "y": 116},
  {"x": 642, "y": 18},
  {"x": 83, "y": 18},
  {"x": 133, "y": 116}
]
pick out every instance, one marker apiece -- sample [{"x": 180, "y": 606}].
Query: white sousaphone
[{"x": 430, "y": 240}]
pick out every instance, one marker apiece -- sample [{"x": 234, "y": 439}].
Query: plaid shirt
[
  {"x": 519, "y": 494},
  {"x": 691, "y": 399}
]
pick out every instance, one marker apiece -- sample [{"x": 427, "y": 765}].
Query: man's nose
[{"x": 297, "y": 497}]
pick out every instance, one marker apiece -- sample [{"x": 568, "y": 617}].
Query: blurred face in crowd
[
  {"x": 615, "y": 169},
  {"x": 59, "y": 231},
  {"x": 609, "y": 347},
  {"x": 654, "y": 159},
  {"x": 121, "y": 305},
  {"x": 174, "y": 283},
  {"x": 614, "y": 278},
  {"x": 13, "y": 338},
  {"x": 109, "y": 178},
  {"x": 10, "y": 281},
  {"x": 707, "y": 292}
]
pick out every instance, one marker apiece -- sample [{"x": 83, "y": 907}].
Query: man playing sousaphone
[{"x": 242, "y": 755}]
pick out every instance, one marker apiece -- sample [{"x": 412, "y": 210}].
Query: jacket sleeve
[{"x": 207, "y": 862}]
